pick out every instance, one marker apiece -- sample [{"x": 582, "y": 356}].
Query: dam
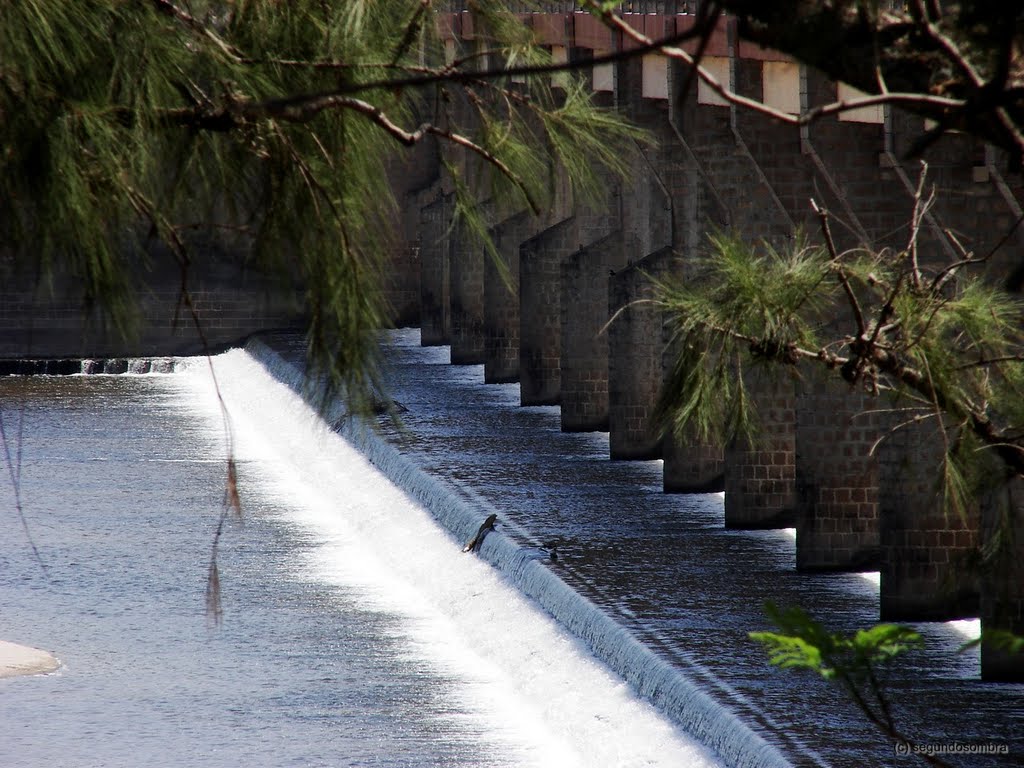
[{"x": 538, "y": 342}]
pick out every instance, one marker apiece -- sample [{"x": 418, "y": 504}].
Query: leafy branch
[
  {"x": 857, "y": 663},
  {"x": 886, "y": 322}
]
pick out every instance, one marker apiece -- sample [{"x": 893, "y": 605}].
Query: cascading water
[
  {"x": 665, "y": 568},
  {"x": 355, "y": 633},
  {"x": 396, "y": 649},
  {"x": 652, "y": 678},
  {"x": 522, "y": 668}
]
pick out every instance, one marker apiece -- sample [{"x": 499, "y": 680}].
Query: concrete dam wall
[{"x": 538, "y": 312}]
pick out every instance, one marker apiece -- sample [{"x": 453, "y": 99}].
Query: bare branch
[
  {"x": 945, "y": 274},
  {"x": 303, "y": 109},
  {"x": 837, "y": 266},
  {"x": 168, "y": 8},
  {"x": 921, "y": 208},
  {"x": 957, "y": 58},
  {"x": 986, "y": 361}
]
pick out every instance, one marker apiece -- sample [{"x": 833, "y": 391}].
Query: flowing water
[
  {"x": 354, "y": 633},
  {"x": 665, "y": 568}
]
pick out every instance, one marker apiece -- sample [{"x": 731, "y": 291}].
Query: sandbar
[{"x": 22, "y": 660}]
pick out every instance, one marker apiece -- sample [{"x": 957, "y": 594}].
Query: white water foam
[
  {"x": 650, "y": 676},
  {"x": 541, "y": 695},
  {"x": 968, "y": 628}
]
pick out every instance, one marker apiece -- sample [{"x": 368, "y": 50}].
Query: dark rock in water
[
  {"x": 139, "y": 365},
  {"x": 115, "y": 365},
  {"x": 50, "y": 367},
  {"x": 63, "y": 367}
]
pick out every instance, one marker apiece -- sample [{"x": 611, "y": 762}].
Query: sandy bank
[{"x": 22, "y": 660}]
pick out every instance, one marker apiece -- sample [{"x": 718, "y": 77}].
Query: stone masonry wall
[
  {"x": 926, "y": 548},
  {"x": 540, "y": 342},
  {"x": 635, "y": 350},
  {"x": 435, "y": 318},
  {"x": 836, "y": 478},
  {"x": 584, "y": 309},
  {"x": 230, "y": 302},
  {"x": 466, "y": 298},
  {"x": 1002, "y": 578},
  {"x": 760, "y": 475},
  {"x": 501, "y": 299}
]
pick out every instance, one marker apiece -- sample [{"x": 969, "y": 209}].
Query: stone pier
[
  {"x": 435, "y": 317},
  {"x": 584, "y": 310},
  {"x": 1002, "y": 580},
  {"x": 540, "y": 334},
  {"x": 635, "y": 350},
  {"x": 466, "y": 297},
  {"x": 928, "y": 549},
  {"x": 501, "y": 298},
  {"x": 836, "y": 475}
]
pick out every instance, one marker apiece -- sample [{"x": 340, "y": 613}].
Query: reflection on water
[
  {"x": 668, "y": 569},
  {"x": 333, "y": 651},
  {"x": 121, "y": 487}
]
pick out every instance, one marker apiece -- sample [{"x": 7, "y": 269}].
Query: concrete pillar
[
  {"x": 635, "y": 351},
  {"x": 760, "y": 476},
  {"x": 501, "y": 299},
  {"x": 435, "y": 322},
  {"x": 466, "y": 286},
  {"x": 1002, "y": 579},
  {"x": 584, "y": 310},
  {"x": 540, "y": 339},
  {"x": 691, "y": 465},
  {"x": 926, "y": 550},
  {"x": 836, "y": 476}
]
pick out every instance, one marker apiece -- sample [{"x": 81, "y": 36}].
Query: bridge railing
[{"x": 662, "y": 7}]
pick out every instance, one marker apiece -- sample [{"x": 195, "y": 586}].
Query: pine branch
[
  {"x": 303, "y": 109},
  {"x": 168, "y": 8},
  {"x": 987, "y": 361},
  {"x": 844, "y": 279}
]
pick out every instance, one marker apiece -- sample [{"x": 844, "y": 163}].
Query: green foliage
[
  {"x": 999, "y": 640},
  {"x": 856, "y": 663},
  {"x": 587, "y": 140},
  {"x": 941, "y": 343},
  {"x": 737, "y": 307},
  {"x": 803, "y": 643},
  {"x": 266, "y": 129}
]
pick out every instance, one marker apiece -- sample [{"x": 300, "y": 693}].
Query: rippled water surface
[
  {"x": 665, "y": 566},
  {"x": 352, "y": 634}
]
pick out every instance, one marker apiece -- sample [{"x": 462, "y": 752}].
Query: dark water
[
  {"x": 665, "y": 566},
  {"x": 342, "y": 643}
]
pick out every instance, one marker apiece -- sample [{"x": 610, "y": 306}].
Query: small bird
[{"x": 476, "y": 541}]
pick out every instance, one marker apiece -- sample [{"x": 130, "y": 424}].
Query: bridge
[
  {"x": 537, "y": 315},
  {"x": 719, "y": 166}
]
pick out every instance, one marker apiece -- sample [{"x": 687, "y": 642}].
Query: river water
[
  {"x": 665, "y": 567},
  {"x": 356, "y": 633}
]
